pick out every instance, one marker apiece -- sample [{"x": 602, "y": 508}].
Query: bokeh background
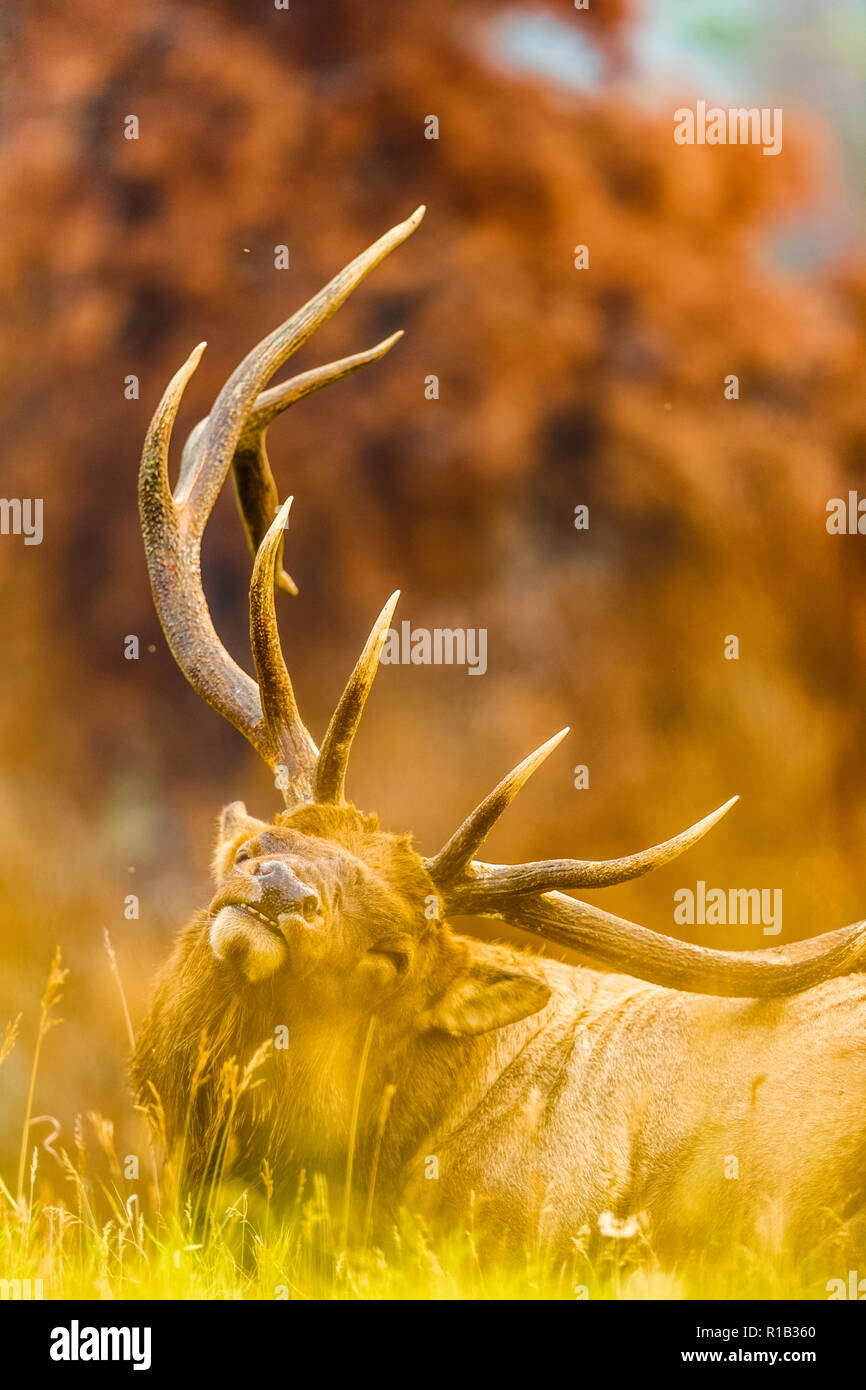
[{"x": 557, "y": 387}]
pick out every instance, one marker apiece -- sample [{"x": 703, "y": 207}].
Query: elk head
[{"x": 321, "y": 904}]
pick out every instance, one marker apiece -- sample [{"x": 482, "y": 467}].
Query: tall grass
[{"x": 107, "y": 1234}]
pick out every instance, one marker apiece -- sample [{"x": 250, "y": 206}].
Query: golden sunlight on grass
[{"x": 88, "y": 1230}]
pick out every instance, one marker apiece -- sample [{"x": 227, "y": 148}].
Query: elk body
[{"x": 687, "y": 1090}]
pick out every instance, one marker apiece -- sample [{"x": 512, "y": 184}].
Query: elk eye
[{"x": 399, "y": 959}]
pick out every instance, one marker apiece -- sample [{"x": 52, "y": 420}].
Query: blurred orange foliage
[{"x": 305, "y": 127}]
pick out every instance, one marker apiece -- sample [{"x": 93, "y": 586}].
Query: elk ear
[
  {"x": 486, "y": 998},
  {"x": 233, "y": 826}
]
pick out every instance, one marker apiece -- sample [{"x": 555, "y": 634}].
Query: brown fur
[{"x": 555, "y": 1099}]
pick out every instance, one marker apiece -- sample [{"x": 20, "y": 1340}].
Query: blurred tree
[{"x": 306, "y": 127}]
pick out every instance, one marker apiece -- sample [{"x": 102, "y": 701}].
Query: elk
[{"x": 554, "y": 1098}]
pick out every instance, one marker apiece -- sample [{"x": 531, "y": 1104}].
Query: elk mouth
[
  {"x": 249, "y": 911},
  {"x": 247, "y": 939},
  {"x": 278, "y": 925}
]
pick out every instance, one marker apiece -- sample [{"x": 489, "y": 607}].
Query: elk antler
[
  {"x": 480, "y": 887},
  {"x": 266, "y": 712},
  {"x": 520, "y": 895},
  {"x": 663, "y": 960},
  {"x": 173, "y": 524}
]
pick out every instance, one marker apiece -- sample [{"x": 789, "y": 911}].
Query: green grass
[
  {"x": 89, "y": 1230},
  {"x": 269, "y": 1257},
  {"x": 79, "y": 1255}
]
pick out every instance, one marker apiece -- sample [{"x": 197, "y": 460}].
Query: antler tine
[
  {"x": 331, "y": 768},
  {"x": 290, "y": 739},
  {"x": 663, "y": 960},
  {"x": 453, "y": 858},
  {"x": 255, "y": 488},
  {"x": 512, "y": 894},
  {"x": 227, "y": 420},
  {"x": 276, "y": 399},
  {"x": 181, "y": 606},
  {"x": 153, "y": 475},
  {"x": 486, "y": 885}
]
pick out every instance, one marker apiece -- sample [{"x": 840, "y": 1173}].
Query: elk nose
[{"x": 283, "y": 891}]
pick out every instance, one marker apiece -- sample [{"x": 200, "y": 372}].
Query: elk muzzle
[
  {"x": 282, "y": 892},
  {"x": 267, "y": 920}
]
